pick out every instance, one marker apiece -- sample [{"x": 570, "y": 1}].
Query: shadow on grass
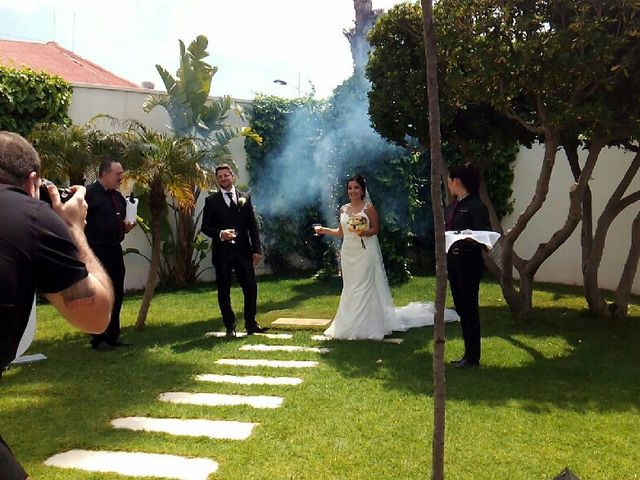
[
  {"x": 556, "y": 360},
  {"x": 275, "y": 293}
]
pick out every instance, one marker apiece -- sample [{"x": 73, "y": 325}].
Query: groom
[{"x": 229, "y": 220}]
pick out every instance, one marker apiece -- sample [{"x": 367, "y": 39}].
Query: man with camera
[
  {"x": 106, "y": 228},
  {"x": 42, "y": 247}
]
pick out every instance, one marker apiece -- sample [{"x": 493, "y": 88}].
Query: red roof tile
[{"x": 54, "y": 59}]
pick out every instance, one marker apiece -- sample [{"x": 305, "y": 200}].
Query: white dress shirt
[{"x": 234, "y": 195}]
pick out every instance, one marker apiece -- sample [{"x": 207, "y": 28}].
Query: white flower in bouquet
[{"x": 358, "y": 224}]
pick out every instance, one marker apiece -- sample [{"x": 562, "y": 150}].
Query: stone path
[
  {"x": 260, "y": 362},
  {"x": 249, "y": 379},
  {"x": 302, "y": 322},
  {"x": 182, "y": 468},
  {"x": 220, "y": 400},
  {"x": 218, "y": 429},
  {"x": 280, "y": 336},
  {"x": 283, "y": 348},
  {"x": 324, "y": 338},
  {"x": 136, "y": 464}
]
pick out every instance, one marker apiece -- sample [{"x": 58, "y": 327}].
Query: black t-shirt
[
  {"x": 467, "y": 214},
  {"x": 105, "y": 217},
  {"x": 36, "y": 251}
]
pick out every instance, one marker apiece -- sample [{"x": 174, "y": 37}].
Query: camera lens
[{"x": 65, "y": 193}]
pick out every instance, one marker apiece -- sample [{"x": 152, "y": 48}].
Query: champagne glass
[{"x": 316, "y": 228}]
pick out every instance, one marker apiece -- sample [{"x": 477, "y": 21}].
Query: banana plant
[{"x": 193, "y": 113}]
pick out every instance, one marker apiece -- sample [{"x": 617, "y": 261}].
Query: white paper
[
  {"x": 132, "y": 211},
  {"x": 486, "y": 238},
  {"x": 29, "y": 332}
]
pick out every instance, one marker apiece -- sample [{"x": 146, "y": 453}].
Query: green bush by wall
[{"x": 28, "y": 97}]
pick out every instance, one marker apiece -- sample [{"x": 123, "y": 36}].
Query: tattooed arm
[{"x": 87, "y": 303}]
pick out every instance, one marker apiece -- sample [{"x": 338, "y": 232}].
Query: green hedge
[{"x": 28, "y": 97}]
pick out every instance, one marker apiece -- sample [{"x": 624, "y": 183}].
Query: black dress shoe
[
  {"x": 120, "y": 343},
  {"x": 231, "y": 333},
  {"x": 457, "y": 360},
  {"x": 464, "y": 363},
  {"x": 102, "y": 346},
  {"x": 256, "y": 329}
]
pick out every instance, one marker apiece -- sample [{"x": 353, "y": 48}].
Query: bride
[{"x": 366, "y": 308}]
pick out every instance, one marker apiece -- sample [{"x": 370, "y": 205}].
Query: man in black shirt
[
  {"x": 465, "y": 265},
  {"x": 42, "y": 247},
  {"x": 105, "y": 230}
]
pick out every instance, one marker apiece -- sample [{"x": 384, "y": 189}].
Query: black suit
[
  {"x": 105, "y": 231},
  {"x": 465, "y": 267},
  {"x": 233, "y": 257}
]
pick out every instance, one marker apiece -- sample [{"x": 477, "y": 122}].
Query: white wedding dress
[{"x": 366, "y": 310}]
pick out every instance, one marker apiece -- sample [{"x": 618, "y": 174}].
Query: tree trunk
[
  {"x": 513, "y": 297},
  {"x": 586, "y": 232},
  {"x": 620, "y": 306},
  {"x": 183, "y": 260},
  {"x": 357, "y": 36},
  {"x": 437, "y": 172},
  {"x": 615, "y": 205},
  {"x": 158, "y": 208},
  {"x": 576, "y": 195}
]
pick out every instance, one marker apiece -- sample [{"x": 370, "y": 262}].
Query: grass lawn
[{"x": 562, "y": 390}]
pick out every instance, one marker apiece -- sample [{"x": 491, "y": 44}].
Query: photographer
[{"x": 44, "y": 248}]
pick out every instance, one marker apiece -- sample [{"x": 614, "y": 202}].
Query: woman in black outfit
[{"x": 464, "y": 259}]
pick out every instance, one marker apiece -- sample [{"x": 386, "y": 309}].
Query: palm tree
[
  {"x": 194, "y": 114},
  {"x": 72, "y": 153},
  {"x": 163, "y": 165}
]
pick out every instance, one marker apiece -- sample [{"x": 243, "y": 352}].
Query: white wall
[
  {"x": 125, "y": 104},
  {"x": 564, "y": 265}
]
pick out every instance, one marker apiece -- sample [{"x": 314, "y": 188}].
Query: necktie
[{"x": 230, "y": 195}]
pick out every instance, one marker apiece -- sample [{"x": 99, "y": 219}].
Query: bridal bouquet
[{"x": 357, "y": 225}]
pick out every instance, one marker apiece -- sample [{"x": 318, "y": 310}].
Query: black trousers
[
  {"x": 113, "y": 262},
  {"x": 242, "y": 265},
  {"x": 10, "y": 469},
  {"x": 465, "y": 270}
]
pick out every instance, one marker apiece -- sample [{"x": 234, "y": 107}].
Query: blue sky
[{"x": 253, "y": 42}]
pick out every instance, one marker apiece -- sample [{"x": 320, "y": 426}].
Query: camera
[{"x": 65, "y": 193}]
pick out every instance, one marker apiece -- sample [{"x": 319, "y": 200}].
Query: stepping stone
[
  {"x": 397, "y": 341},
  {"x": 136, "y": 464},
  {"x": 26, "y": 359},
  {"x": 281, "y": 336},
  {"x": 267, "y": 363},
  {"x": 249, "y": 379},
  {"x": 218, "y": 399},
  {"x": 323, "y": 338},
  {"x": 226, "y": 430},
  {"x": 302, "y": 322},
  {"x": 283, "y": 348}
]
